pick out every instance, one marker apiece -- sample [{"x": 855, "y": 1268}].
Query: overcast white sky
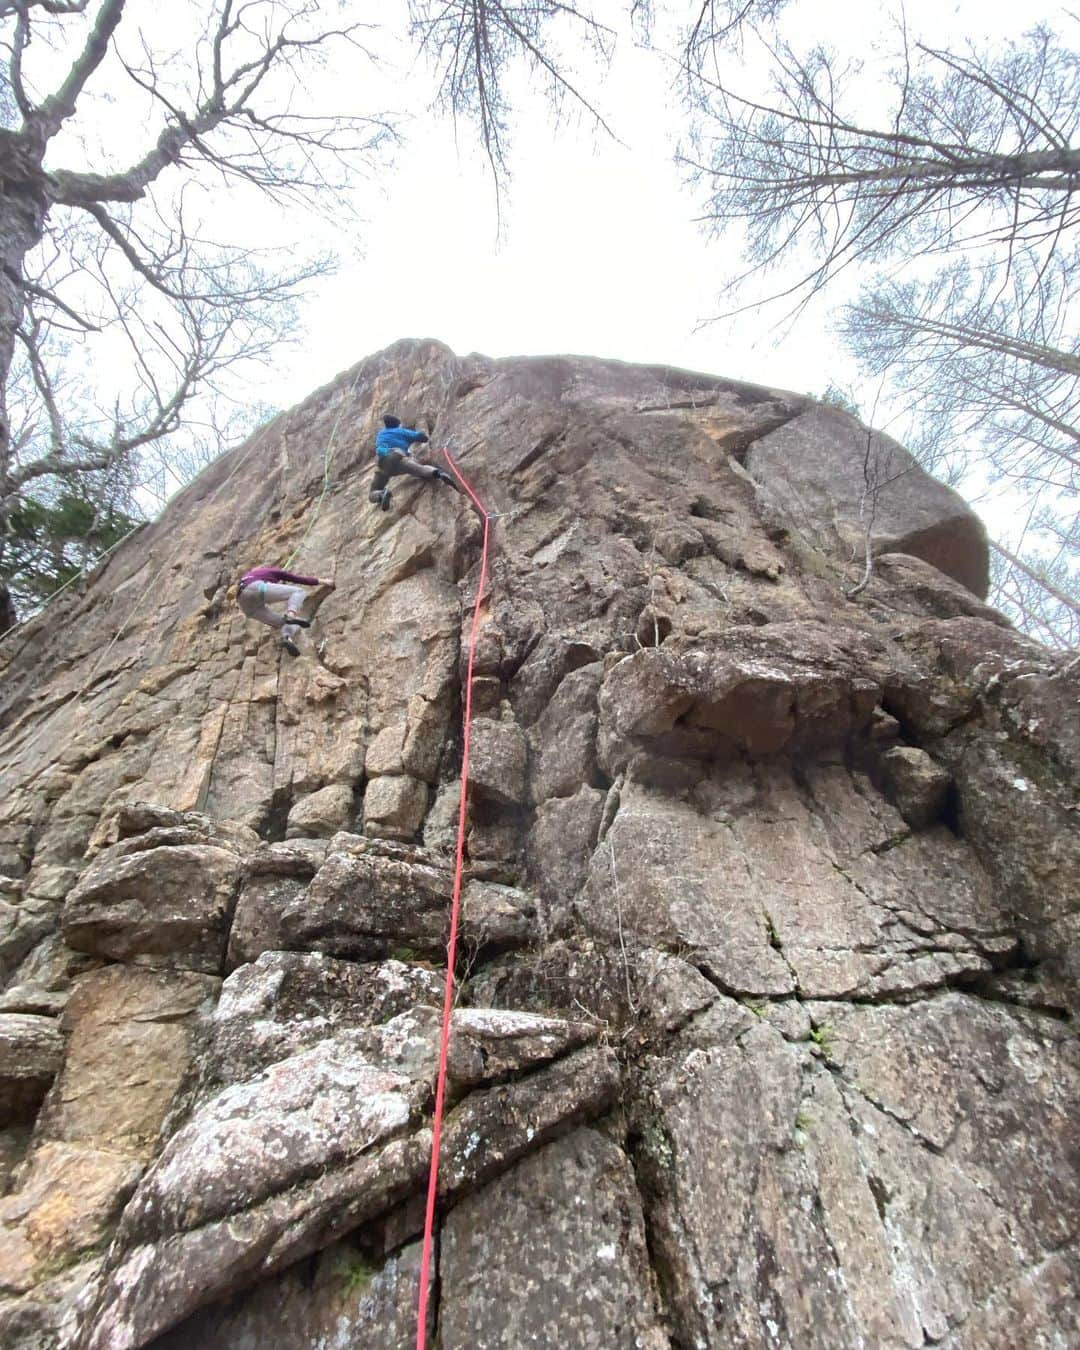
[{"x": 599, "y": 253}]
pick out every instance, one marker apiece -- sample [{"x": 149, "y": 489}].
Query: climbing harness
[{"x": 455, "y": 909}]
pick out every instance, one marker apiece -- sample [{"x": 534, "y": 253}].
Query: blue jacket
[{"x": 396, "y": 438}]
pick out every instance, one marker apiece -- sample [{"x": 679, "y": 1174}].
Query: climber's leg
[
  {"x": 290, "y": 629},
  {"x": 252, "y": 600},
  {"x": 380, "y": 493},
  {"x": 406, "y": 464},
  {"x": 256, "y": 598}
]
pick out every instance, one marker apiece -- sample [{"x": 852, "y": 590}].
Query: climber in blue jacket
[{"x": 393, "y": 455}]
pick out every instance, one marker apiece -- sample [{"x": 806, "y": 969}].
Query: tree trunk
[
  {"x": 1048, "y": 586},
  {"x": 22, "y": 219}
]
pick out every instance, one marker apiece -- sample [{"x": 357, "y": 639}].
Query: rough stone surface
[
  {"x": 813, "y": 467},
  {"x": 497, "y": 760},
  {"x": 346, "y": 1299},
  {"x": 356, "y": 906},
  {"x": 498, "y": 915},
  {"x": 394, "y": 807},
  {"x": 917, "y": 785},
  {"x": 287, "y": 1001},
  {"x": 170, "y": 905},
  {"x": 321, "y": 814},
  {"x": 247, "y": 1219},
  {"x": 764, "y": 1027},
  {"x": 582, "y": 1278},
  {"x": 31, "y": 1051}
]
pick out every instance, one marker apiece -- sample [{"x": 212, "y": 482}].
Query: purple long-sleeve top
[{"x": 277, "y": 574}]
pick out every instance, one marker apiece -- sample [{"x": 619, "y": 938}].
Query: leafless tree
[
  {"x": 714, "y": 26},
  {"x": 474, "y": 42},
  {"x": 987, "y": 368},
  {"x": 1041, "y": 592},
  {"x": 115, "y": 265},
  {"x": 962, "y": 196},
  {"x": 974, "y": 149}
]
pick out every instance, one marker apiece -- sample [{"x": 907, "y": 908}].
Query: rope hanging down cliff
[{"x": 455, "y": 910}]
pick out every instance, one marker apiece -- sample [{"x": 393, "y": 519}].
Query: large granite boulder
[{"x": 761, "y": 1031}]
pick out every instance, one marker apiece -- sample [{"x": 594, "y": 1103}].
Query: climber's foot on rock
[
  {"x": 290, "y": 646},
  {"x": 384, "y": 499},
  {"x": 297, "y": 621}
]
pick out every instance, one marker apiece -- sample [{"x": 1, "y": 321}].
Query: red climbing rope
[{"x": 451, "y": 946}]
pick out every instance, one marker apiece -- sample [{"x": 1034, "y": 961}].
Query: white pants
[{"x": 257, "y": 596}]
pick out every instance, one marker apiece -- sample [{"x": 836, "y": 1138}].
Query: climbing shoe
[
  {"x": 384, "y": 500},
  {"x": 442, "y": 476},
  {"x": 290, "y": 646},
  {"x": 296, "y": 620}
]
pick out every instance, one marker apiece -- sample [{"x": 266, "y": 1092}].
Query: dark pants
[{"x": 389, "y": 466}]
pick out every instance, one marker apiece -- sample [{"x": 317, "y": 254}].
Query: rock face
[{"x": 770, "y": 922}]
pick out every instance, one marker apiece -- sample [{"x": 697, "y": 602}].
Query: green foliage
[
  {"x": 49, "y": 542},
  {"x": 354, "y": 1271},
  {"x": 822, "y": 1038}
]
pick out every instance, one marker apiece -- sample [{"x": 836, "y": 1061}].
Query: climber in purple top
[
  {"x": 264, "y": 586},
  {"x": 393, "y": 455}
]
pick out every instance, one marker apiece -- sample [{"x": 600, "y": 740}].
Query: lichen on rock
[{"x": 768, "y": 966}]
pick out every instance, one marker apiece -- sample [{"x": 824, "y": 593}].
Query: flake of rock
[
  {"x": 166, "y": 826},
  {"x": 317, "y": 1109},
  {"x": 561, "y": 842},
  {"x": 394, "y": 807},
  {"x": 493, "y": 1128},
  {"x": 671, "y": 991},
  {"x": 31, "y": 1050},
  {"x": 359, "y": 906},
  {"x": 287, "y": 1001},
  {"x": 501, "y": 915},
  {"x": 22, "y": 927},
  {"x": 491, "y": 1043},
  {"x": 562, "y": 741},
  {"x": 140, "y": 1295},
  {"x": 813, "y": 467},
  {"x": 909, "y": 583},
  {"x": 497, "y": 760},
  {"x": 32, "y": 998},
  {"x": 918, "y": 785},
  {"x": 170, "y": 905},
  {"x": 322, "y": 813},
  {"x": 350, "y": 1298},
  {"x": 294, "y": 858}
]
